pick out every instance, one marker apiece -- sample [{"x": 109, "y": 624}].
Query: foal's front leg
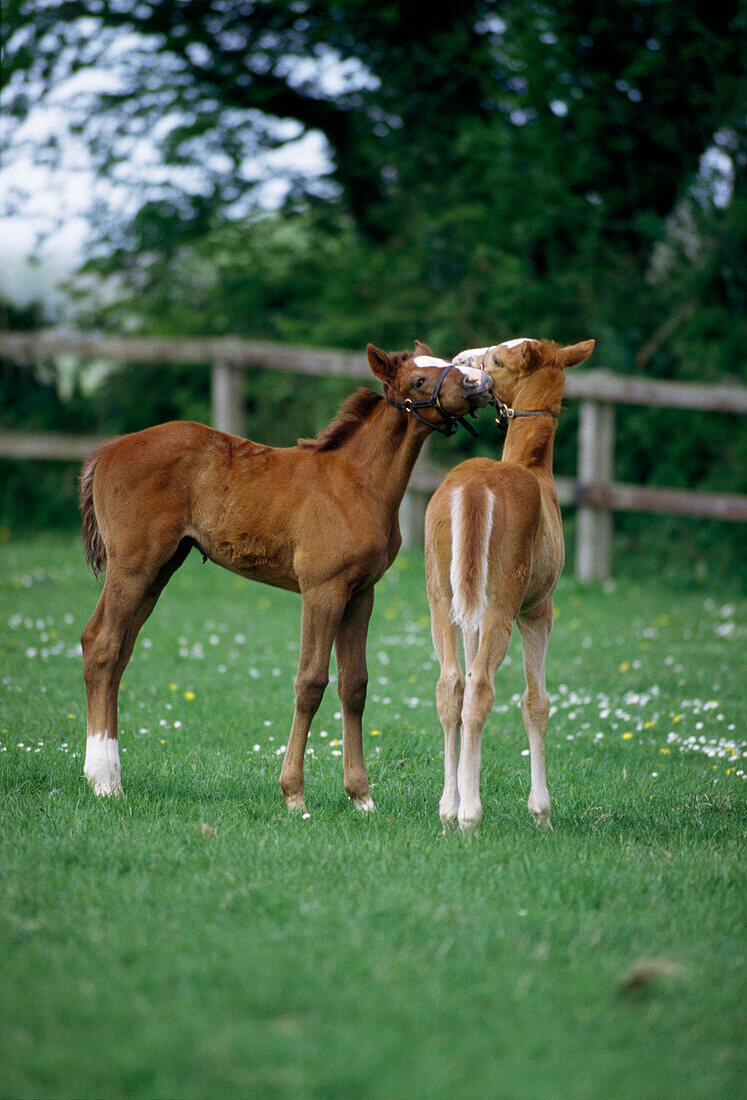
[
  {"x": 323, "y": 608},
  {"x": 352, "y": 683}
]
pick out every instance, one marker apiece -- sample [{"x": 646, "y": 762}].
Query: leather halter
[
  {"x": 451, "y": 423},
  {"x": 506, "y": 414}
]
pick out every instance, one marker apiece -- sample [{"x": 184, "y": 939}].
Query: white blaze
[{"x": 429, "y": 361}]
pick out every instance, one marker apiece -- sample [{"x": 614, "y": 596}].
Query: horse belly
[
  {"x": 252, "y": 556},
  {"x": 547, "y": 562}
]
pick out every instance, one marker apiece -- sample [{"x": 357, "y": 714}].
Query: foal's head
[
  {"x": 435, "y": 390},
  {"x": 532, "y": 368}
]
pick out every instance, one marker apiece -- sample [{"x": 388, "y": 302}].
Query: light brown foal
[
  {"x": 494, "y": 551},
  {"x": 320, "y": 519}
]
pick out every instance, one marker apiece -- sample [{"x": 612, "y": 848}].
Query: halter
[
  {"x": 506, "y": 414},
  {"x": 451, "y": 424}
]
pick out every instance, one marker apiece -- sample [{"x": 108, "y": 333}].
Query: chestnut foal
[
  {"x": 320, "y": 519},
  {"x": 494, "y": 550}
]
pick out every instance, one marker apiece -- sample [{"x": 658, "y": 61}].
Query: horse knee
[
  {"x": 310, "y": 688},
  {"x": 535, "y": 707},
  {"x": 479, "y": 697},
  {"x": 352, "y": 692},
  {"x": 450, "y": 691},
  {"x": 99, "y": 654}
]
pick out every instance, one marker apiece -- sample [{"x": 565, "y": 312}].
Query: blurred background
[{"x": 332, "y": 173}]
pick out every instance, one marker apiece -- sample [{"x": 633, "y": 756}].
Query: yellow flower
[
  {"x": 375, "y": 733},
  {"x": 664, "y": 751},
  {"x": 172, "y": 687},
  {"x": 647, "y": 725},
  {"x": 627, "y": 736},
  {"x": 189, "y": 695},
  {"x": 677, "y": 718},
  {"x": 624, "y": 666}
]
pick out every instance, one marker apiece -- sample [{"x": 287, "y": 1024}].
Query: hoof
[
  {"x": 448, "y": 811},
  {"x": 105, "y": 787},
  {"x": 539, "y": 808},
  {"x": 364, "y": 803},
  {"x": 295, "y": 803},
  {"x": 468, "y": 823}
]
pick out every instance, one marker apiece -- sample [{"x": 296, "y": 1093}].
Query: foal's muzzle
[{"x": 477, "y": 387}]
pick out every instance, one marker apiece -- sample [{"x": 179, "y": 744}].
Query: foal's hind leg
[
  {"x": 108, "y": 641},
  {"x": 103, "y": 642},
  {"x": 449, "y": 698},
  {"x": 479, "y": 693},
  {"x": 535, "y": 630},
  {"x": 352, "y": 683}
]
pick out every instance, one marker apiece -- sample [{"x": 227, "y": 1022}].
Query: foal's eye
[{"x": 417, "y": 383}]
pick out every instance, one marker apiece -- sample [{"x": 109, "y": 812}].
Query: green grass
[{"x": 193, "y": 939}]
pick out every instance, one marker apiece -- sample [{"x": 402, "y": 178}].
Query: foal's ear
[
  {"x": 380, "y": 364},
  {"x": 575, "y": 354},
  {"x": 422, "y": 349}
]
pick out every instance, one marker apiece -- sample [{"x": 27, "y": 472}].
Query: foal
[
  {"x": 494, "y": 551},
  {"x": 320, "y": 519}
]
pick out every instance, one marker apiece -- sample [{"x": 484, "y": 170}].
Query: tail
[
  {"x": 92, "y": 540},
  {"x": 472, "y": 510}
]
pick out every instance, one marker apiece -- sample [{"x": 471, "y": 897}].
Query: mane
[{"x": 355, "y": 410}]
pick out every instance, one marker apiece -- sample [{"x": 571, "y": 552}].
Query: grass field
[{"x": 194, "y": 940}]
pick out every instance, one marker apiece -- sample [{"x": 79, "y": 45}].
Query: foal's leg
[
  {"x": 103, "y": 641},
  {"x": 352, "y": 682},
  {"x": 449, "y": 698},
  {"x": 147, "y": 603},
  {"x": 125, "y": 603},
  {"x": 323, "y": 608},
  {"x": 479, "y": 693},
  {"x": 535, "y": 629}
]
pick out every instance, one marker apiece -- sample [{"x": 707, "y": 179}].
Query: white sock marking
[{"x": 102, "y": 768}]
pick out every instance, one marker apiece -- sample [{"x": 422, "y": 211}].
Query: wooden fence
[{"x": 593, "y": 491}]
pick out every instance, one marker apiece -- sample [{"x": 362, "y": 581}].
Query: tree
[{"x": 610, "y": 104}]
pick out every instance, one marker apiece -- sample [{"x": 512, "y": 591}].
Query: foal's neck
[
  {"x": 386, "y": 449},
  {"x": 529, "y": 440}
]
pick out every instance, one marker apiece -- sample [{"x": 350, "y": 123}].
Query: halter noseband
[{"x": 451, "y": 423}]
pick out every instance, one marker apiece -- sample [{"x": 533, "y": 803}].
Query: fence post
[
  {"x": 227, "y": 398},
  {"x": 596, "y": 447}
]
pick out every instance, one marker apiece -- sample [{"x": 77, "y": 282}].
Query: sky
[{"x": 44, "y": 206}]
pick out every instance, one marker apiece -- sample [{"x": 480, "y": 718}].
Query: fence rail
[{"x": 594, "y": 490}]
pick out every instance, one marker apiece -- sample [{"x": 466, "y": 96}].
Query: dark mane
[{"x": 352, "y": 414}]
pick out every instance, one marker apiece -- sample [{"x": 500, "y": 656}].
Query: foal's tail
[
  {"x": 92, "y": 540},
  {"x": 472, "y": 508}
]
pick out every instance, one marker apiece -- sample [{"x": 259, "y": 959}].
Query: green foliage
[
  {"x": 205, "y": 942},
  {"x": 495, "y": 170}
]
